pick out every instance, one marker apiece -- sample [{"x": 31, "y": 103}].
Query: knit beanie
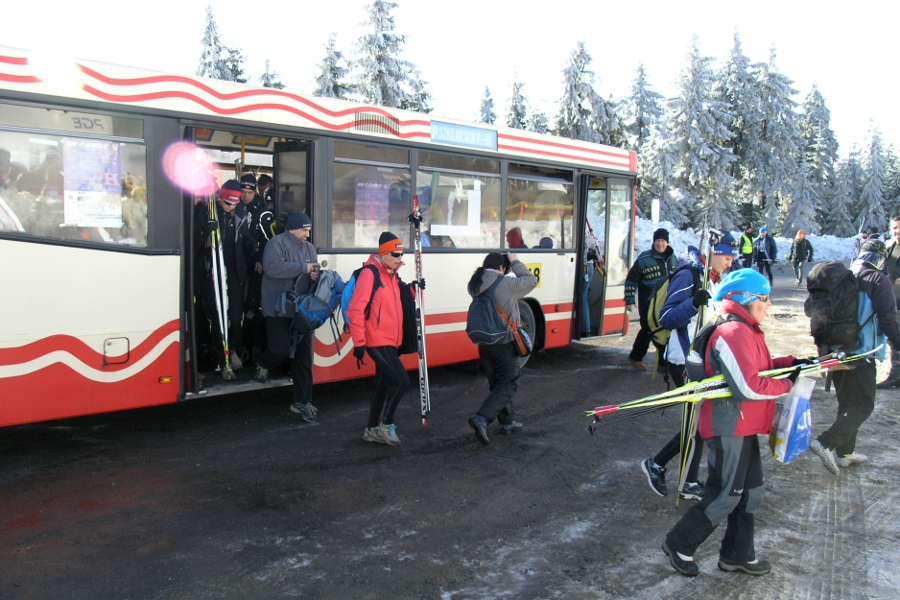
[
  {"x": 297, "y": 221},
  {"x": 661, "y": 234},
  {"x": 388, "y": 242},
  {"x": 230, "y": 192},
  {"x": 727, "y": 245},
  {"x": 248, "y": 181},
  {"x": 743, "y": 286}
]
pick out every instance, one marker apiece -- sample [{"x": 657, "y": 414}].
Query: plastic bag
[{"x": 792, "y": 426}]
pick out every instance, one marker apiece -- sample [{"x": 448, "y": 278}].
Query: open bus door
[{"x": 593, "y": 274}]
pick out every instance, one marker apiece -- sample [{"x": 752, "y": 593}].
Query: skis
[
  {"x": 424, "y": 394},
  {"x": 220, "y": 285}
]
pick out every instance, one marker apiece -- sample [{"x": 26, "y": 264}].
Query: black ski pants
[
  {"x": 673, "y": 447},
  {"x": 391, "y": 381},
  {"x": 206, "y": 291},
  {"x": 282, "y": 341},
  {"x": 765, "y": 264},
  {"x": 734, "y": 490},
  {"x": 856, "y": 401},
  {"x": 501, "y": 364},
  {"x": 643, "y": 338}
]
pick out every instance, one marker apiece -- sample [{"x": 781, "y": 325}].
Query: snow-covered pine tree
[
  {"x": 801, "y": 213},
  {"x": 583, "y": 114},
  {"x": 839, "y": 222},
  {"x": 517, "y": 112},
  {"x": 737, "y": 88},
  {"x": 854, "y": 175},
  {"x": 269, "y": 79},
  {"x": 385, "y": 78},
  {"x": 538, "y": 122},
  {"x": 698, "y": 128},
  {"x": 331, "y": 82},
  {"x": 640, "y": 111},
  {"x": 871, "y": 213},
  {"x": 891, "y": 182},
  {"x": 212, "y": 59},
  {"x": 486, "y": 112},
  {"x": 780, "y": 142},
  {"x": 655, "y": 168},
  {"x": 820, "y": 149},
  {"x": 235, "y": 63}
]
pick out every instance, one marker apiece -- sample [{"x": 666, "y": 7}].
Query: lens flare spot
[{"x": 189, "y": 167}]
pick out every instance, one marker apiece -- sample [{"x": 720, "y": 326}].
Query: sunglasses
[
  {"x": 397, "y": 254},
  {"x": 760, "y": 298}
]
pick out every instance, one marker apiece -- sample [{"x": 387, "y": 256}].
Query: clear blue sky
[{"x": 848, "y": 51}]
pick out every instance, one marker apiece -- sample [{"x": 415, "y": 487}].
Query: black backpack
[
  {"x": 833, "y": 306},
  {"x": 695, "y": 363},
  {"x": 484, "y": 325}
]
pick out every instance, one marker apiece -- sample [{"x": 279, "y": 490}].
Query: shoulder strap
[
  {"x": 376, "y": 283},
  {"x": 490, "y": 290}
]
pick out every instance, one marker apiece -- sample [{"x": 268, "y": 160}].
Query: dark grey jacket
[
  {"x": 510, "y": 290},
  {"x": 284, "y": 259}
]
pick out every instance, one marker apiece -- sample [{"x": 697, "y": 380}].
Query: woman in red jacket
[
  {"x": 380, "y": 335},
  {"x": 734, "y": 488}
]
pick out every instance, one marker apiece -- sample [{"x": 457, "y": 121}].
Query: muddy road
[{"x": 238, "y": 498}]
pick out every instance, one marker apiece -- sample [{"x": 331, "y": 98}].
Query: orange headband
[{"x": 390, "y": 246}]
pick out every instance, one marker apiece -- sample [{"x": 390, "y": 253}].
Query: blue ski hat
[
  {"x": 743, "y": 287},
  {"x": 727, "y": 245}
]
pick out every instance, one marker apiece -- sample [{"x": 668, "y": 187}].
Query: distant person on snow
[
  {"x": 765, "y": 252},
  {"x": 734, "y": 488},
  {"x": 651, "y": 265},
  {"x": 801, "y": 250}
]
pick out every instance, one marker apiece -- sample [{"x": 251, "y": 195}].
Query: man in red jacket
[{"x": 734, "y": 488}]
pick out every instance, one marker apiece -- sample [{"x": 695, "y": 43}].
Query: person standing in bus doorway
[
  {"x": 500, "y": 360},
  {"x": 679, "y": 314},
  {"x": 766, "y": 253},
  {"x": 231, "y": 237},
  {"x": 290, "y": 263},
  {"x": 801, "y": 249},
  {"x": 747, "y": 248},
  {"x": 892, "y": 270},
  {"x": 260, "y": 228},
  {"x": 376, "y": 326},
  {"x": 651, "y": 265}
]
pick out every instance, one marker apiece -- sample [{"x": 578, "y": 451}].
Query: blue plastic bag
[{"x": 792, "y": 426}]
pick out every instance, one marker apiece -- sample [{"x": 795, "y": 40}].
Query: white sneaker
[
  {"x": 854, "y": 458},
  {"x": 389, "y": 434},
  {"x": 373, "y": 435},
  {"x": 827, "y": 456}
]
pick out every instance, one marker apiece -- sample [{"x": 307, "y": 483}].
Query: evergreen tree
[
  {"x": 738, "y": 90},
  {"x": 891, "y": 182},
  {"x": 697, "y": 130},
  {"x": 212, "y": 60},
  {"x": 801, "y": 213},
  {"x": 269, "y": 79},
  {"x": 655, "y": 168},
  {"x": 538, "y": 122},
  {"x": 235, "y": 64},
  {"x": 583, "y": 113},
  {"x": 641, "y": 110},
  {"x": 820, "y": 150},
  {"x": 838, "y": 221},
  {"x": 331, "y": 82},
  {"x": 780, "y": 141},
  {"x": 854, "y": 176},
  {"x": 517, "y": 113},
  {"x": 486, "y": 111},
  {"x": 871, "y": 213},
  {"x": 385, "y": 78}
]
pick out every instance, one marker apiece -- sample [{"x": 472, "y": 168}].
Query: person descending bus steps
[
  {"x": 892, "y": 270},
  {"x": 650, "y": 266},
  {"x": 746, "y": 243},
  {"x": 766, "y": 252},
  {"x": 734, "y": 489},
  {"x": 856, "y": 387},
  {"x": 381, "y": 334},
  {"x": 290, "y": 263},
  {"x": 801, "y": 249},
  {"x": 679, "y": 314},
  {"x": 500, "y": 360},
  {"x": 259, "y": 228}
]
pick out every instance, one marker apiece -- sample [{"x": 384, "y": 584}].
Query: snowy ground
[{"x": 825, "y": 247}]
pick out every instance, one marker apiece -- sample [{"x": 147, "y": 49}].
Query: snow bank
[{"x": 825, "y": 247}]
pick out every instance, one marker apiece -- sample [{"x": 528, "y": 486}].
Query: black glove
[
  {"x": 360, "y": 353},
  {"x": 802, "y": 362},
  {"x": 419, "y": 284},
  {"x": 794, "y": 375},
  {"x": 809, "y": 260},
  {"x": 701, "y": 298}
]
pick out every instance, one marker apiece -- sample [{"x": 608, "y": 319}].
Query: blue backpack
[
  {"x": 320, "y": 304},
  {"x": 350, "y": 287}
]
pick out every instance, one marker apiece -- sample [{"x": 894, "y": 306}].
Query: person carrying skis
[
  {"x": 892, "y": 270},
  {"x": 290, "y": 264},
  {"x": 856, "y": 387},
  {"x": 659, "y": 261},
  {"x": 679, "y": 314},
  {"x": 801, "y": 250},
  {"x": 500, "y": 360},
  {"x": 734, "y": 487},
  {"x": 381, "y": 334},
  {"x": 765, "y": 251},
  {"x": 260, "y": 228}
]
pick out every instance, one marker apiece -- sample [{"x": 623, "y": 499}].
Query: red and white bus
[{"x": 96, "y": 308}]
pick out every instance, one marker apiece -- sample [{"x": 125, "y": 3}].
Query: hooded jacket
[
  {"x": 739, "y": 351},
  {"x": 510, "y": 290},
  {"x": 384, "y": 327}
]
